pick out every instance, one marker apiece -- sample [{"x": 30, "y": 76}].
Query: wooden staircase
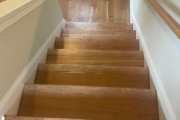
[{"x": 95, "y": 72}]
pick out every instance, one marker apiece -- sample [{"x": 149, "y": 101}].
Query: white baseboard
[
  {"x": 162, "y": 96},
  {"x": 11, "y": 100}
]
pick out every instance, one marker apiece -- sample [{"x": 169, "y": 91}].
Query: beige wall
[
  {"x": 9, "y": 5},
  {"x": 21, "y": 41},
  {"x": 164, "y": 47}
]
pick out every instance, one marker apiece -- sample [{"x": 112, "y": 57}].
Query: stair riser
[
  {"x": 90, "y": 79},
  {"x": 134, "y": 63},
  {"x": 96, "y": 46}
]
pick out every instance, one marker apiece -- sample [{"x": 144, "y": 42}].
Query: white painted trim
[
  {"x": 15, "y": 91},
  {"x": 2, "y": 118},
  {"x": 162, "y": 96},
  {"x": 131, "y": 11},
  {"x": 13, "y": 16}
]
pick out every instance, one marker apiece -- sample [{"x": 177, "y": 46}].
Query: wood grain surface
[
  {"x": 95, "y": 71},
  {"x": 98, "y": 11}
]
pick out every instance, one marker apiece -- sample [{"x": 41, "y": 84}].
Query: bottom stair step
[
  {"x": 88, "y": 102},
  {"x": 36, "y": 118},
  {"x": 41, "y": 118}
]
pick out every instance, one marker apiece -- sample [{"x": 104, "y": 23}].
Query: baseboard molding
[
  {"x": 13, "y": 16},
  {"x": 162, "y": 96},
  {"x": 12, "y": 98}
]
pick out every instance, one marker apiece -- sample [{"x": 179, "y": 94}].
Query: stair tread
[
  {"x": 113, "y": 26},
  {"x": 98, "y": 32},
  {"x": 36, "y": 118},
  {"x": 111, "y": 39},
  {"x": 86, "y": 91},
  {"x": 95, "y": 57},
  {"x": 97, "y": 53},
  {"x": 88, "y": 115},
  {"x": 93, "y": 75},
  {"x": 99, "y": 37},
  {"x": 95, "y": 68},
  {"x": 97, "y": 44},
  {"x": 90, "y": 99}
]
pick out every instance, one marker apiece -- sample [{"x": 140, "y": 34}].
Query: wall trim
[
  {"x": 2, "y": 118},
  {"x": 13, "y": 16},
  {"x": 131, "y": 11},
  {"x": 14, "y": 93},
  {"x": 161, "y": 93}
]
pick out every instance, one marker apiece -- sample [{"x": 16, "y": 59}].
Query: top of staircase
[{"x": 99, "y": 26}]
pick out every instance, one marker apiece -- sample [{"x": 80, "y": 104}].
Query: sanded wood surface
[
  {"x": 94, "y": 102},
  {"x": 91, "y": 75},
  {"x": 96, "y": 44},
  {"x": 98, "y": 11},
  {"x": 99, "y": 26},
  {"x": 171, "y": 22},
  {"x": 95, "y": 57}
]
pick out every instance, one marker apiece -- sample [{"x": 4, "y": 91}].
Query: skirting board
[
  {"x": 12, "y": 98},
  {"x": 161, "y": 93}
]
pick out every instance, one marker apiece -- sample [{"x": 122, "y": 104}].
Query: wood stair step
[
  {"x": 95, "y": 57},
  {"x": 93, "y": 75},
  {"x": 70, "y": 32},
  {"x": 102, "y": 37},
  {"x": 35, "y": 118},
  {"x": 88, "y": 102},
  {"x": 96, "y": 44},
  {"x": 99, "y": 26}
]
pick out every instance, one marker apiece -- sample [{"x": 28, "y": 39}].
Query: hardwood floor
[{"x": 99, "y": 11}]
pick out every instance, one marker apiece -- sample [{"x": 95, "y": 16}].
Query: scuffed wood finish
[
  {"x": 86, "y": 102},
  {"x": 171, "y": 22},
  {"x": 95, "y": 57},
  {"x": 99, "y": 26},
  {"x": 96, "y": 44},
  {"x": 91, "y": 75},
  {"x": 98, "y": 11}
]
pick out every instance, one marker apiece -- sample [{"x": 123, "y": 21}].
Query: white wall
[
  {"x": 22, "y": 40},
  {"x": 172, "y": 7},
  {"x": 163, "y": 46}
]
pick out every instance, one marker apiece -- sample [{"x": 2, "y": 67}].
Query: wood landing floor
[{"x": 98, "y": 11}]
